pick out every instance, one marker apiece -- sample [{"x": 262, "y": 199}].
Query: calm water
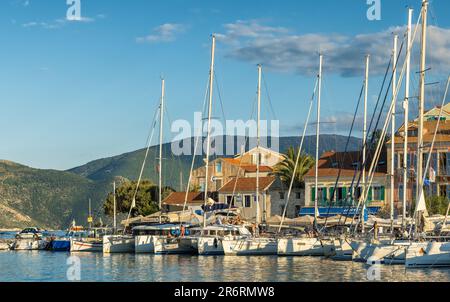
[{"x": 49, "y": 266}]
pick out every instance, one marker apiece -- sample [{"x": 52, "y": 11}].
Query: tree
[
  {"x": 146, "y": 199},
  {"x": 285, "y": 169}
]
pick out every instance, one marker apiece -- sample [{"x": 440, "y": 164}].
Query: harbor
[{"x": 371, "y": 204}]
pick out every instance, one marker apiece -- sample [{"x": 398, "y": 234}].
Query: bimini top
[
  {"x": 224, "y": 227},
  {"x": 157, "y": 227}
]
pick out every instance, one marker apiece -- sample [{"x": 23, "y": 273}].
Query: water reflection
[{"x": 48, "y": 266}]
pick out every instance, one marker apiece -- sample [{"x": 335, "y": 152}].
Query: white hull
[
  {"x": 144, "y": 244},
  {"x": 118, "y": 244},
  {"x": 303, "y": 247},
  {"x": 250, "y": 246},
  {"x": 431, "y": 254},
  {"x": 4, "y": 246},
  {"x": 29, "y": 245},
  {"x": 388, "y": 253},
  {"x": 343, "y": 249},
  {"x": 86, "y": 246},
  {"x": 210, "y": 246},
  {"x": 166, "y": 245}
]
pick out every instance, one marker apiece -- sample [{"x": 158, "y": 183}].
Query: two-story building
[
  {"x": 347, "y": 166},
  {"x": 438, "y": 176}
]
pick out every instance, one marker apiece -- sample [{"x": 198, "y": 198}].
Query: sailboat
[{"x": 309, "y": 244}]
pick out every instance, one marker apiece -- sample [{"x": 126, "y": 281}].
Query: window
[
  {"x": 378, "y": 193},
  {"x": 231, "y": 201},
  {"x": 281, "y": 195},
  {"x": 298, "y": 195},
  {"x": 202, "y": 185},
  {"x": 219, "y": 167},
  {"x": 247, "y": 201}
]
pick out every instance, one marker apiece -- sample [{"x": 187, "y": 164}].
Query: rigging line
[
  {"x": 197, "y": 140},
  {"x": 242, "y": 157},
  {"x": 345, "y": 153},
  {"x": 149, "y": 141},
  {"x": 430, "y": 153},
  {"x": 384, "y": 131},
  {"x": 268, "y": 97},
  {"x": 372, "y": 140},
  {"x": 298, "y": 156},
  {"x": 219, "y": 95},
  {"x": 387, "y": 118}
]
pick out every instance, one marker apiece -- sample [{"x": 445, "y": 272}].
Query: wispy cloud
[
  {"x": 163, "y": 33},
  {"x": 282, "y": 50},
  {"x": 59, "y": 23}
]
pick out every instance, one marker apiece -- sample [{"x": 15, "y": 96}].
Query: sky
[{"x": 76, "y": 91}]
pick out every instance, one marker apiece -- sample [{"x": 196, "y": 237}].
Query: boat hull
[
  {"x": 250, "y": 246},
  {"x": 210, "y": 246},
  {"x": 86, "y": 246},
  {"x": 29, "y": 245},
  {"x": 144, "y": 244},
  {"x": 302, "y": 247},
  {"x": 431, "y": 254},
  {"x": 60, "y": 245},
  {"x": 118, "y": 244},
  {"x": 164, "y": 246}
]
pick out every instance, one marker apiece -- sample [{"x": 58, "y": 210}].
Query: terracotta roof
[
  {"x": 330, "y": 162},
  {"x": 429, "y": 129},
  {"x": 246, "y": 167},
  {"x": 178, "y": 198},
  {"x": 247, "y": 184}
]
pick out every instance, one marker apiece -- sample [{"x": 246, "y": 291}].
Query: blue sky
[{"x": 72, "y": 92}]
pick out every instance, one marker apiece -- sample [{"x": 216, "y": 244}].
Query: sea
[{"x": 47, "y": 266}]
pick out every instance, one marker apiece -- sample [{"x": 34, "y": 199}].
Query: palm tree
[{"x": 285, "y": 169}]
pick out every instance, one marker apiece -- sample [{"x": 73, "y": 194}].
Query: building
[
  {"x": 438, "y": 176},
  {"x": 348, "y": 165},
  {"x": 222, "y": 170},
  {"x": 176, "y": 201},
  {"x": 241, "y": 193}
]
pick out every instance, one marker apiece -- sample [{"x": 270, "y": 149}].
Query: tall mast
[
  {"x": 316, "y": 199},
  {"x": 392, "y": 167},
  {"x": 90, "y": 215},
  {"x": 115, "y": 206},
  {"x": 406, "y": 109},
  {"x": 161, "y": 120},
  {"x": 421, "y": 99},
  {"x": 366, "y": 95},
  {"x": 208, "y": 137},
  {"x": 257, "y": 145}
]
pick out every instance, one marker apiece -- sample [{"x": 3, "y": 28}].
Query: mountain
[{"x": 52, "y": 199}]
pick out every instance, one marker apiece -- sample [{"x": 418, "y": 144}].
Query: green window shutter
[
  {"x": 331, "y": 192},
  {"x": 382, "y": 193},
  {"x": 344, "y": 193},
  {"x": 313, "y": 194},
  {"x": 324, "y": 198},
  {"x": 370, "y": 195}
]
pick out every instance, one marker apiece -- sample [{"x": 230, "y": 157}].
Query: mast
[
  {"x": 208, "y": 138},
  {"x": 421, "y": 100},
  {"x": 257, "y": 145},
  {"x": 406, "y": 109},
  {"x": 392, "y": 167},
  {"x": 161, "y": 120},
  {"x": 115, "y": 205},
  {"x": 366, "y": 95},
  {"x": 316, "y": 199},
  {"x": 90, "y": 215}
]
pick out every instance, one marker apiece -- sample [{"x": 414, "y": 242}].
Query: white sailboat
[
  {"x": 316, "y": 245},
  {"x": 253, "y": 245}
]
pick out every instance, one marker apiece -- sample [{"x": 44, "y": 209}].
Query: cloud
[
  {"x": 59, "y": 23},
  {"x": 163, "y": 33},
  {"x": 280, "y": 49}
]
